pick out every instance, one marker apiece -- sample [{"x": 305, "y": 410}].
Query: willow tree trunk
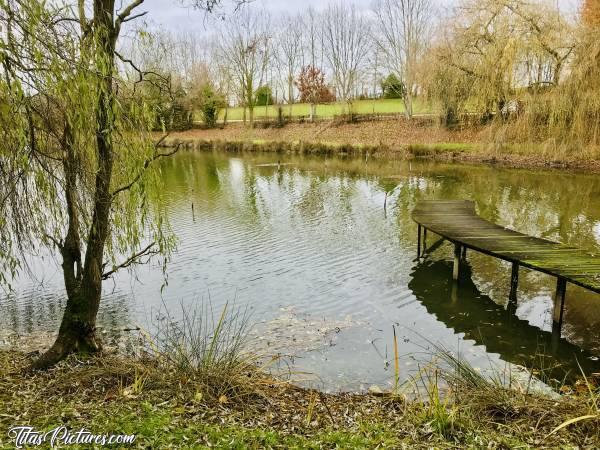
[{"x": 77, "y": 331}]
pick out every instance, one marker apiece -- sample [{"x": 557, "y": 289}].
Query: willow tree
[
  {"x": 77, "y": 159},
  {"x": 482, "y": 44},
  {"x": 507, "y": 45}
]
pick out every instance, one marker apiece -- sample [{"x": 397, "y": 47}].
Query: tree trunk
[
  {"x": 407, "y": 99},
  {"x": 557, "y": 73},
  {"x": 290, "y": 95},
  {"x": 77, "y": 331}
]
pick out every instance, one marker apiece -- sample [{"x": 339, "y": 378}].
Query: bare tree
[
  {"x": 402, "y": 33},
  {"x": 311, "y": 43},
  {"x": 312, "y": 46},
  {"x": 289, "y": 54},
  {"x": 244, "y": 45},
  {"x": 346, "y": 45},
  {"x": 221, "y": 75}
]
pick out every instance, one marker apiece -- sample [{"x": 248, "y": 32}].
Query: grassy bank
[
  {"x": 389, "y": 138},
  {"x": 168, "y": 407}
]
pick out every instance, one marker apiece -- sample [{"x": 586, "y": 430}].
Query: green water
[{"x": 326, "y": 271}]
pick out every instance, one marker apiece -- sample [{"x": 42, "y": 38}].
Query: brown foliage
[
  {"x": 312, "y": 87},
  {"x": 590, "y": 12}
]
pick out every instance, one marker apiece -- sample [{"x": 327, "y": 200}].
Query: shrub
[
  {"x": 209, "y": 103},
  {"x": 263, "y": 96},
  {"x": 392, "y": 87}
]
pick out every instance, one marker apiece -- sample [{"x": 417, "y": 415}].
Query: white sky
[{"x": 171, "y": 15}]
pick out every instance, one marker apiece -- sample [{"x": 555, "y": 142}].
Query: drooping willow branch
[{"x": 147, "y": 163}]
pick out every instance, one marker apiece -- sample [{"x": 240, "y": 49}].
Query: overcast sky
[{"x": 171, "y": 15}]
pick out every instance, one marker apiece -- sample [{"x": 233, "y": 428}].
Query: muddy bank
[
  {"x": 387, "y": 133},
  {"x": 465, "y": 153},
  {"x": 384, "y": 139}
]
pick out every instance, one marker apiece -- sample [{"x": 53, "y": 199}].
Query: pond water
[{"x": 327, "y": 272}]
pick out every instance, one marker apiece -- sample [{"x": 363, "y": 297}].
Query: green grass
[
  {"x": 166, "y": 407},
  {"x": 329, "y": 110},
  {"x": 159, "y": 427},
  {"x": 197, "y": 389}
]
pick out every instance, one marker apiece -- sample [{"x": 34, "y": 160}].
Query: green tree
[
  {"x": 76, "y": 161},
  {"x": 263, "y": 96},
  {"x": 392, "y": 87},
  {"x": 209, "y": 103}
]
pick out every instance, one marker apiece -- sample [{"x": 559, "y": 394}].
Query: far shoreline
[{"x": 387, "y": 139}]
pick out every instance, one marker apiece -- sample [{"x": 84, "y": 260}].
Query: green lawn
[{"x": 377, "y": 106}]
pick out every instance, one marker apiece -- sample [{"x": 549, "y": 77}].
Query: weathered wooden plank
[{"x": 457, "y": 221}]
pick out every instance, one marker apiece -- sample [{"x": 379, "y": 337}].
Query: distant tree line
[{"x": 495, "y": 60}]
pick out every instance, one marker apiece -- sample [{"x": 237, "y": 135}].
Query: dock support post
[
  {"x": 464, "y": 253},
  {"x": 559, "y": 304},
  {"x": 454, "y": 293},
  {"x": 514, "y": 282},
  {"x": 424, "y": 240},
  {"x": 419, "y": 241},
  {"x": 456, "y": 269}
]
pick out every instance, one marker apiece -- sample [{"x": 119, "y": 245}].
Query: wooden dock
[{"x": 457, "y": 222}]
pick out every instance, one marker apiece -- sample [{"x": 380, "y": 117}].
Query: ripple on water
[{"x": 309, "y": 246}]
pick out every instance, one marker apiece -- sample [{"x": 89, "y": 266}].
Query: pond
[{"x": 326, "y": 271}]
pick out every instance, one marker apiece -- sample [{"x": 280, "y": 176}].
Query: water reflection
[
  {"x": 312, "y": 234},
  {"x": 477, "y": 317}
]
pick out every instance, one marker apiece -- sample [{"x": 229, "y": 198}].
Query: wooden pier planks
[{"x": 457, "y": 221}]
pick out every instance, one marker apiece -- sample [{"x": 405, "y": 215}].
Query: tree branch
[
  {"x": 131, "y": 260},
  {"x": 143, "y": 73},
  {"x": 55, "y": 241},
  {"x": 124, "y": 16},
  {"x": 135, "y": 16},
  {"x": 146, "y": 164}
]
